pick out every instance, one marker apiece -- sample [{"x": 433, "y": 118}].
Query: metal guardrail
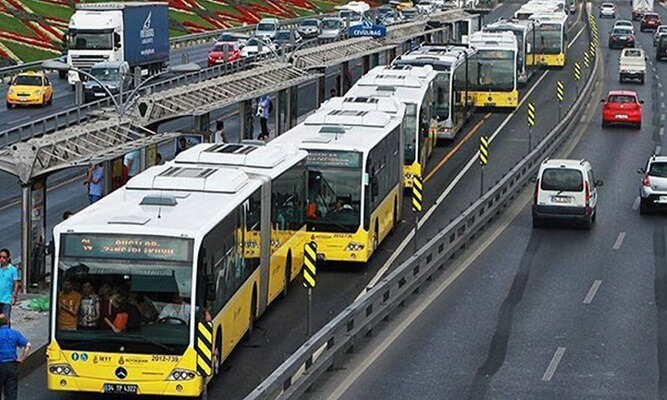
[
  {"x": 326, "y": 347},
  {"x": 174, "y": 43}
]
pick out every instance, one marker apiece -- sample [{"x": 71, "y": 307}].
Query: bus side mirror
[
  {"x": 375, "y": 188},
  {"x": 210, "y": 289}
]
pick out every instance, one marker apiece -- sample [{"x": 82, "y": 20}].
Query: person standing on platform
[
  {"x": 219, "y": 135},
  {"x": 264, "y": 110},
  {"x": 95, "y": 182},
  {"x": 132, "y": 162},
  {"x": 10, "y": 341},
  {"x": 9, "y": 285}
]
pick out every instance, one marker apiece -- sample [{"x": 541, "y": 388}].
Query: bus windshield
[
  {"x": 410, "y": 123},
  {"x": 119, "y": 293},
  {"x": 334, "y": 191},
  {"x": 549, "y": 39},
  {"x": 494, "y": 70}
]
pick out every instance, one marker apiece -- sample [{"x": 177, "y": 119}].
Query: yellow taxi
[
  {"x": 402, "y": 4},
  {"x": 29, "y": 88}
]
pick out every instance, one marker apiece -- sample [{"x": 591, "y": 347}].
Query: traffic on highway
[{"x": 561, "y": 295}]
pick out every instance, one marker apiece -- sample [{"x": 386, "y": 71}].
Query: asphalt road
[
  {"x": 554, "y": 313},
  {"x": 282, "y": 328}
]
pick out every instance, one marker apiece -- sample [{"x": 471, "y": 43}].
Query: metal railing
[
  {"x": 78, "y": 114},
  {"x": 174, "y": 43},
  {"x": 327, "y": 347}
]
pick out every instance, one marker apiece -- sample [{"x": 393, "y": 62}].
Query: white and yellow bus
[
  {"x": 354, "y": 179},
  {"x": 154, "y": 259},
  {"x": 524, "y": 31},
  {"x": 451, "y": 62},
  {"x": 492, "y": 78},
  {"x": 416, "y": 87},
  {"x": 550, "y": 39}
]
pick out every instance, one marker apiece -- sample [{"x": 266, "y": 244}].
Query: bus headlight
[
  {"x": 354, "y": 246},
  {"x": 61, "y": 369},
  {"x": 408, "y": 175},
  {"x": 181, "y": 375}
]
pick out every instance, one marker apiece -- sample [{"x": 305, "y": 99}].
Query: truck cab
[
  {"x": 632, "y": 65},
  {"x": 132, "y": 32},
  {"x": 114, "y": 75}
]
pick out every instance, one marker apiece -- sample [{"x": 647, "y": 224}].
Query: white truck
[
  {"x": 632, "y": 65},
  {"x": 132, "y": 32},
  {"x": 639, "y": 7}
]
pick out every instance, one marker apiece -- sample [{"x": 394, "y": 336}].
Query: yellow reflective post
[
  {"x": 531, "y": 124},
  {"x": 483, "y": 160},
  {"x": 309, "y": 279}
]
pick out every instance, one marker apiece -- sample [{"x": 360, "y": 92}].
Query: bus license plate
[
  {"x": 119, "y": 388},
  {"x": 489, "y": 104}
]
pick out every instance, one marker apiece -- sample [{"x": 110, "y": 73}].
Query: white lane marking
[
  {"x": 555, "y": 360},
  {"x": 420, "y": 307},
  {"x": 635, "y": 204},
  {"x": 662, "y": 118},
  {"x": 451, "y": 186},
  {"x": 662, "y": 131},
  {"x": 619, "y": 241},
  {"x": 662, "y": 94},
  {"x": 662, "y": 104},
  {"x": 592, "y": 291},
  {"x": 658, "y": 150}
]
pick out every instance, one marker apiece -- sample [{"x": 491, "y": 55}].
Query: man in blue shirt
[
  {"x": 95, "y": 181},
  {"x": 9, "y": 284},
  {"x": 264, "y": 109},
  {"x": 132, "y": 161},
  {"x": 10, "y": 341}
]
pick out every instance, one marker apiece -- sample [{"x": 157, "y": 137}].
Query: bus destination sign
[
  {"x": 343, "y": 159},
  {"x": 127, "y": 247}
]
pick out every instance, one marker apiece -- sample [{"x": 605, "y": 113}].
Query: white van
[{"x": 565, "y": 190}]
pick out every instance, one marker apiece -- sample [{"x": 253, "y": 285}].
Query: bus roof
[
  {"x": 408, "y": 83},
  {"x": 437, "y": 55},
  {"x": 549, "y": 18},
  {"x": 340, "y": 130},
  {"x": 509, "y": 24},
  {"x": 390, "y": 105},
  {"x": 252, "y": 158},
  {"x": 493, "y": 40},
  {"x": 160, "y": 201}
]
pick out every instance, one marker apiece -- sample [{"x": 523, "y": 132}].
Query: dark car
[
  {"x": 620, "y": 38},
  {"x": 661, "y": 48},
  {"x": 650, "y": 22},
  {"x": 285, "y": 39}
]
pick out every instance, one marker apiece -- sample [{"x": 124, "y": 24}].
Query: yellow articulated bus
[
  {"x": 417, "y": 87},
  {"x": 140, "y": 272},
  {"x": 492, "y": 78},
  {"x": 550, "y": 39},
  {"x": 524, "y": 31},
  {"x": 452, "y": 108},
  {"x": 354, "y": 179}
]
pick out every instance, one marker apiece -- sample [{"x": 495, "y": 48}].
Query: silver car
[
  {"x": 653, "y": 189},
  {"x": 332, "y": 28},
  {"x": 607, "y": 10}
]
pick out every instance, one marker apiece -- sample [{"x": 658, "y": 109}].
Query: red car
[
  {"x": 217, "y": 54},
  {"x": 622, "y": 107},
  {"x": 650, "y": 21}
]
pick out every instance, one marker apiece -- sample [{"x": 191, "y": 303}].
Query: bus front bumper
[{"x": 79, "y": 384}]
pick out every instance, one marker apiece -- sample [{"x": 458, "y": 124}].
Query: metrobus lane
[
  {"x": 558, "y": 312},
  {"x": 277, "y": 334}
]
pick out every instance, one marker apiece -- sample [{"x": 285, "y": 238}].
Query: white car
[
  {"x": 565, "y": 190},
  {"x": 658, "y": 31},
  {"x": 255, "y": 46},
  {"x": 607, "y": 10},
  {"x": 625, "y": 24},
  {"x": 332, "y": 28},
  {"x": 426, "y": 7},
  {"x": 267, "y": 28}
]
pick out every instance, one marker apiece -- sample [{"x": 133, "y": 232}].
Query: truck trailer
[
  {"x": 639, "y": 7},
  {"x": 133, "y": 32}
]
